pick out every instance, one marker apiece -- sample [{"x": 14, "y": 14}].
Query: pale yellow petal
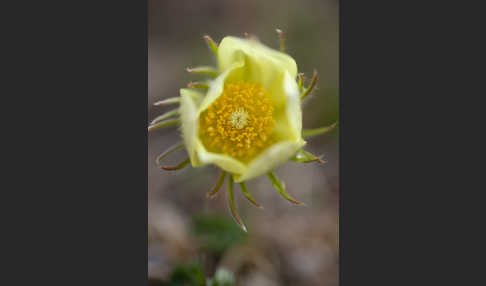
[
  {"x": 262, "y": 64},
  {"x": 216, "y": 86},
  {"x": 189, "y": 120},
  {"x": 271, "y": 158},
  {"x": 225, "y": 162},
  {"x": 293, "y": 106}
]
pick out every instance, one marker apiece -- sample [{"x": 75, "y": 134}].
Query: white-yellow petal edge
[
  {"x": 271, "y": 158},
  {"x": 189, "y": 122},
  {"x": 225, "y": 162}
]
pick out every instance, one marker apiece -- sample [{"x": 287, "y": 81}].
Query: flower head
[{"x": 246, "y": 119}]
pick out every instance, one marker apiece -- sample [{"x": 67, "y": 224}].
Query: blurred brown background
[{"x": 286, "y": 244}]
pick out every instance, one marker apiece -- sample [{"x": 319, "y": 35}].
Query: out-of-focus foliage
[
  {"x": 193, "y": 275},
  {"x": 187, "y": 274},
  {"x": 216, "y": 233},
  {"x": 221, "y": 278}
]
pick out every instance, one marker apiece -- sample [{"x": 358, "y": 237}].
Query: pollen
[
  {"x": 239, "y": 118},
  {"x": 240, "y": 122}
]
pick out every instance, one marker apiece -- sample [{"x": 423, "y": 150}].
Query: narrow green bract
[
  {"x": 280, "y": 186},
  {"x": 231, "y": 201}
]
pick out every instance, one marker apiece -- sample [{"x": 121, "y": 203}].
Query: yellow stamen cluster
[{"x": 239, "y": 123}]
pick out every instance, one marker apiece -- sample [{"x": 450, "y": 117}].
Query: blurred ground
[{"x": 286, "y": 244}]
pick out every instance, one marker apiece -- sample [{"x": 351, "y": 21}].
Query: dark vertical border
[
  {"x": 341, "y": 157},
  {"x": 392, "y": 81},
  {"x": 79, "y": 216}
]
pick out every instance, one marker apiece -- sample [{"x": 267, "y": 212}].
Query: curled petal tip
[
  {"x": 280, "y": 186},
  {"x": 232, "y": 206},
  {"x": 214, "y": 191},
  {"x": 303, "y": 156},
  {"x": 162, "y": 124},
  {"x": 172, "y": 100},
  {"x": 318, "y": 131},
  {"x": 168, "y": 151},
  {"x": 177, "y": 167},
  {"x": 203, "y": 70},
  {"x": 210, "y": 196},
  {"x": 300, "y": 81},
  {"x": 212, "y": 45},
  {"x": 198, "y": 84},
  {"x": 282, "y": 40},
  {"x": 295, "y": 202},
  {"x": 243, "y": 227},
  {"x": 320, "y": 160},
  {"x": 169, "y": 168},
  {"x": 311, "y": 86},
  {"x": 166, "y": 115},
  {"x": 248, "y": 196}
]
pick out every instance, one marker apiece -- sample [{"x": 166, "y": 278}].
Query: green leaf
[
  {"x": 166, "y": 115},
  {"x": 222, "y": 278},
  {"x": 318, "y": 131},
  {"x": 248, "y": 196},
  {"x": 187, "y": 274},
  {"x": 231, "y": 201},
  {"x": 280, "y": 186},
  {"x": 303, "y": 156},
  {"x": 216, "y": 188},
  {"x": 162, "y": 124},
  {"x": 216, "y": 233}
]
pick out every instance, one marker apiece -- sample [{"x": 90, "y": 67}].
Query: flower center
[
  {"x": 239, "y": 123},
  {"x": 239, "y": 118}
]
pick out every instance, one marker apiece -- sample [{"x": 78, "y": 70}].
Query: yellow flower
[{"x": 248, "y": 120}]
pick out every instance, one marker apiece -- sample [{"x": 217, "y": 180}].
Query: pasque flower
[{"x": 246, "y": 119}]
